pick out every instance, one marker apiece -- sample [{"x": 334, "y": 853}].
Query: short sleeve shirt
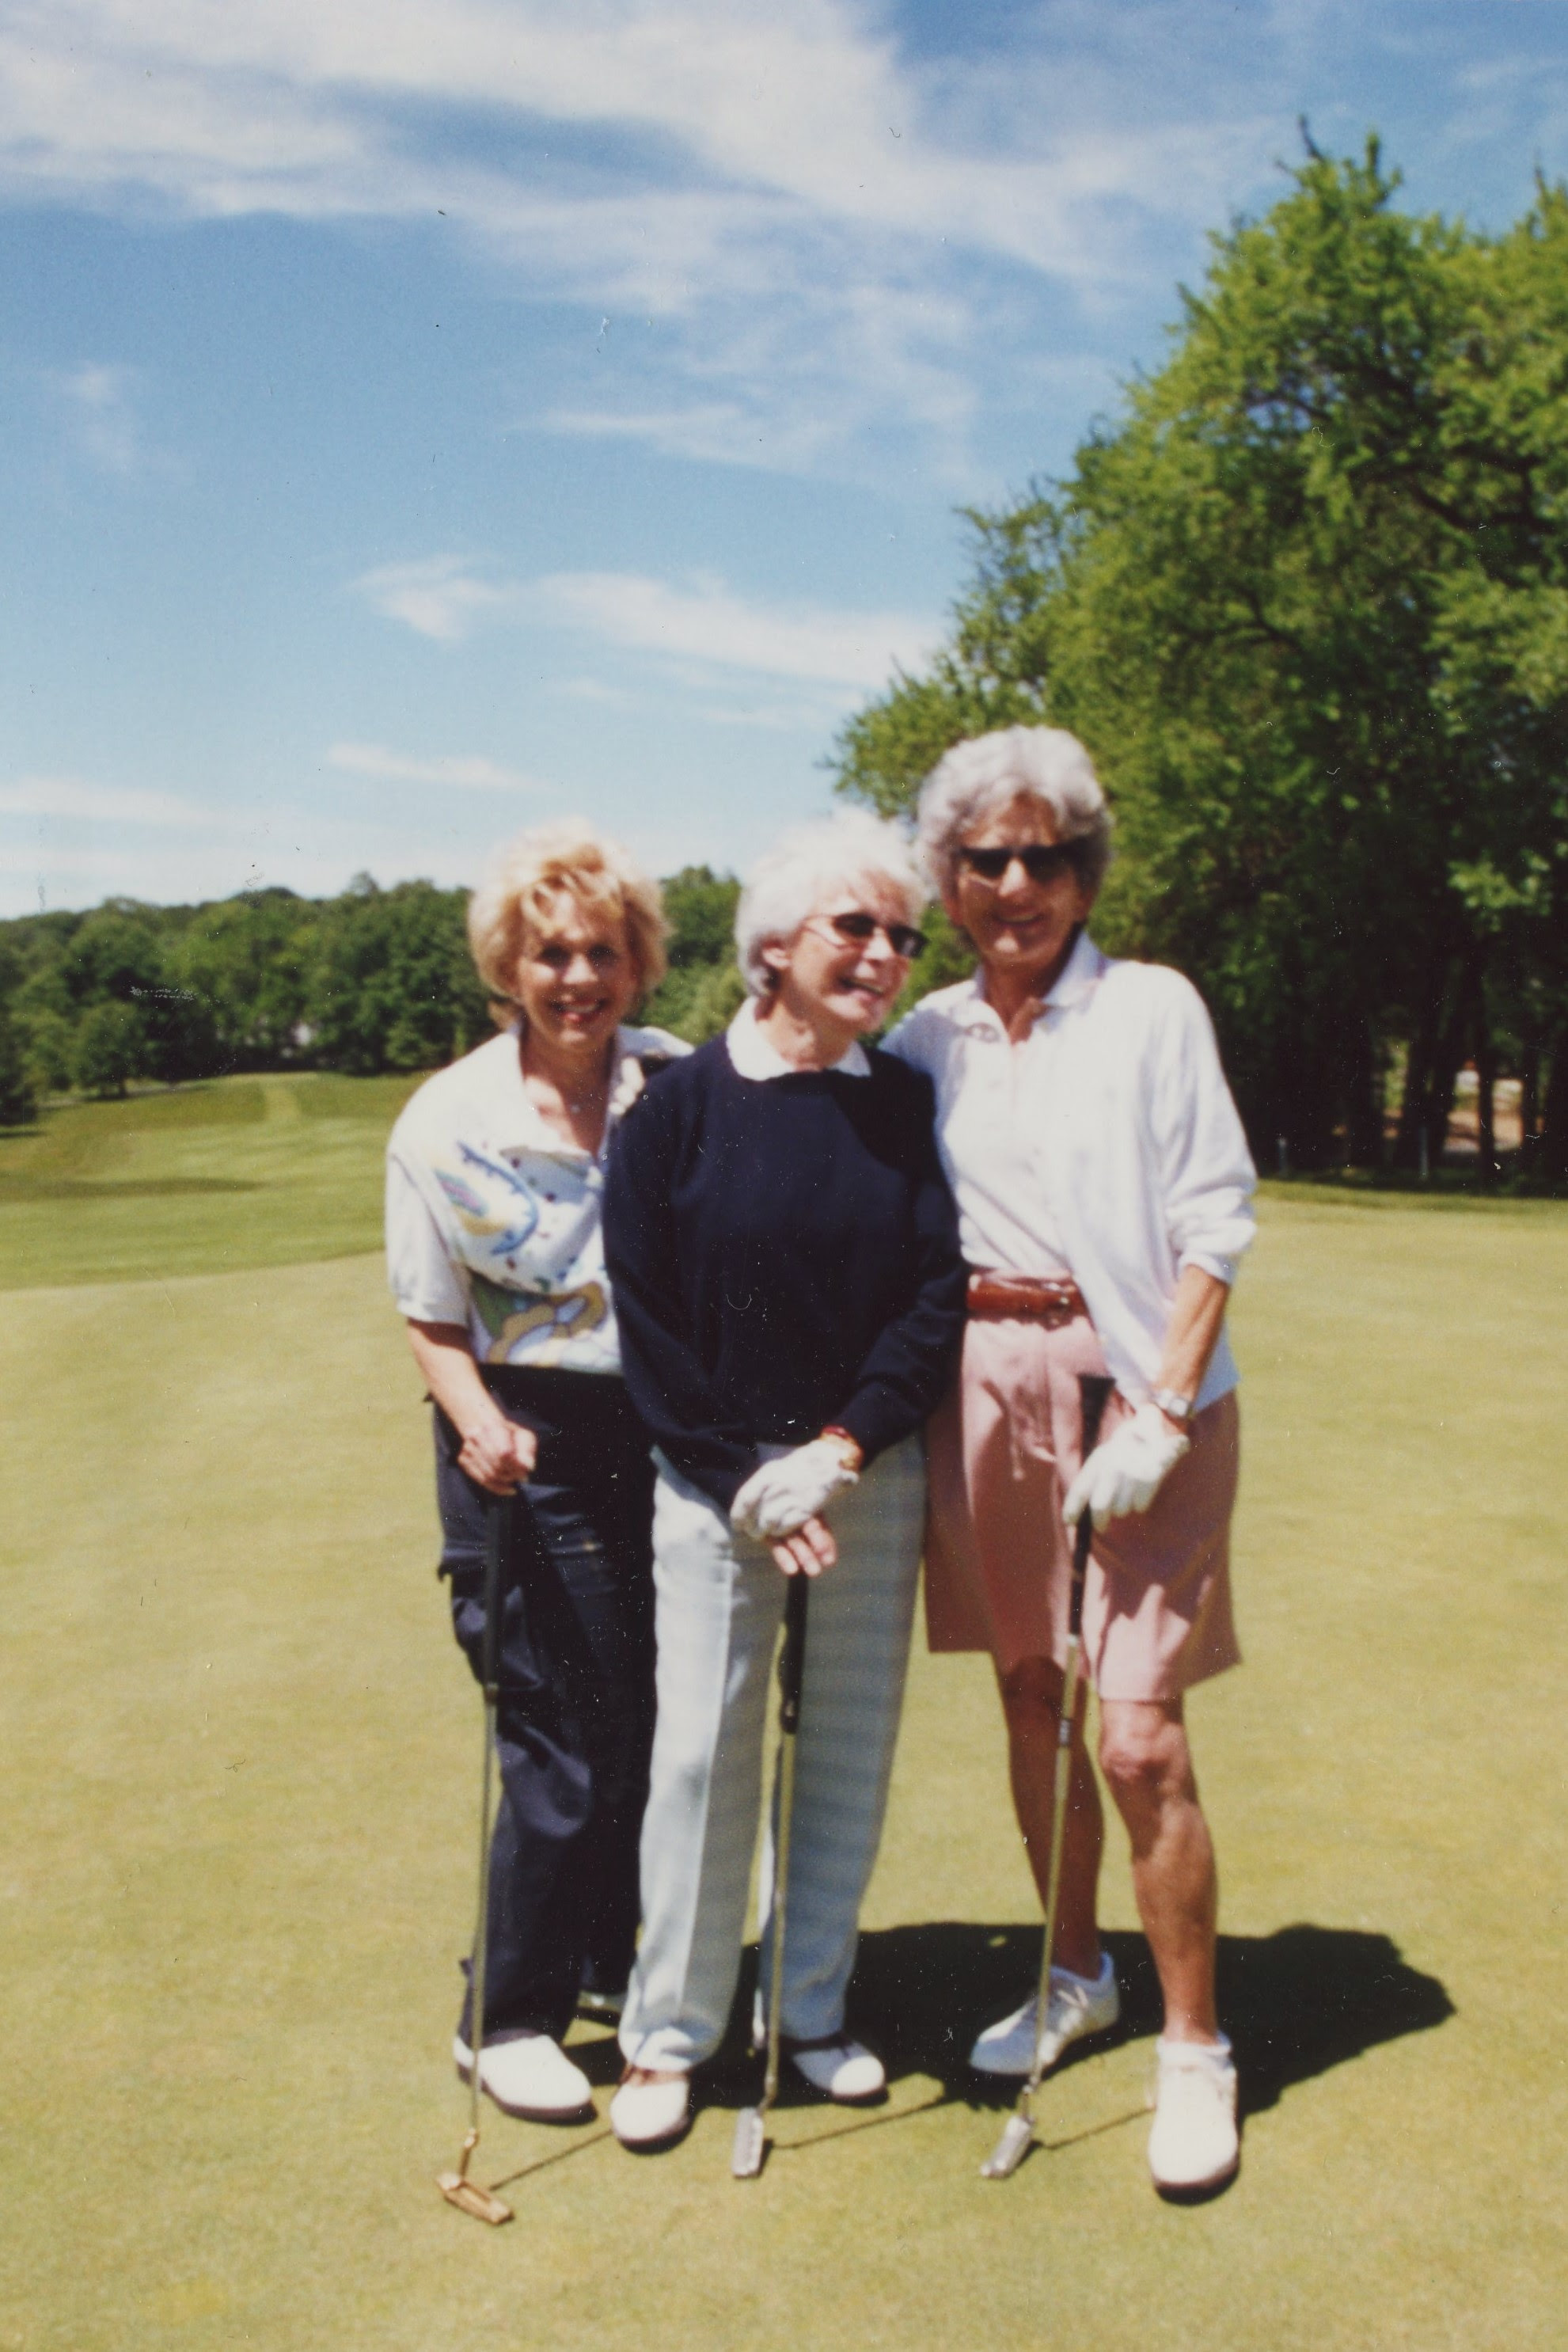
[{"x": 493, "y": 1220}]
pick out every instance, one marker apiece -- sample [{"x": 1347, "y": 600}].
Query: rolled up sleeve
[{"x": 1206, "y": 1171}]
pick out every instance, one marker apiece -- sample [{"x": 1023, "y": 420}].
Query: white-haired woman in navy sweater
[{"x": 785, "y": 1257}]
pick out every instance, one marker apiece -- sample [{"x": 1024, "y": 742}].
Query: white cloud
[
  {"x": 68, "y": 800},
  {"x": 460, "y": 773},
  {"x": 706, "y": 625},
  {"x": 809, "y": 205},
  {"x": 97, "y": 401},
  {"x": 286, "y": 106},
  {"x": 700, "y": 627},
  {"x": 80, "y": 875},
  {"x": 440, "y": 597}
]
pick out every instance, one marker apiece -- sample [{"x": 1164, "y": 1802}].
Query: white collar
[
  {"x": 1078, "y": 978},
  {"x": 753, "y": 1055}
]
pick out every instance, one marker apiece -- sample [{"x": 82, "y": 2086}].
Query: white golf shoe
[
  {"x": 845, "y": 2070},
  {"x": 529, "y": 2076},
  {"x": 1193, "y": 2147},
  {"x": 650, "y": 2115},
  {"x": 1078, "y": 2005}
]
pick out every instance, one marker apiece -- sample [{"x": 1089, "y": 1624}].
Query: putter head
[
  {"x": 750, "y": 2150},
  {"x": 469, "y": 2197},
  {"x": 1010, "y": 2151}
]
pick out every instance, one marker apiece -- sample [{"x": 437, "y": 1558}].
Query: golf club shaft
[
  {"x": 781, "y": 1899},
  {"x": 1094, "y": 1393},
  {"x": 791, "y": 1675},
  {"x": 497, "y": 1517}
]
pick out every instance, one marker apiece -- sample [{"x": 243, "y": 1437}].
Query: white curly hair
[
  {"x": 791, "y": 880},
  {"x": 981, "y": 776}
]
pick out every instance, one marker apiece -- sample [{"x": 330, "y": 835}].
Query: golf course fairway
[{"x": 240, "y": 1757}]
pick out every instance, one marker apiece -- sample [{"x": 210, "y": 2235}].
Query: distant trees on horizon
[{"x": 371, "y": 981}]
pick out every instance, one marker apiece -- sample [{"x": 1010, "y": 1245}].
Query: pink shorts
[{"x": 1002, "y": 1450}]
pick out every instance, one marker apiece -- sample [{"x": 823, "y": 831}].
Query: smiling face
[
  {"x": 576, "y": 979},
  {"x": 1022, "y": 929},
  {"x": 835, "y": 983}
]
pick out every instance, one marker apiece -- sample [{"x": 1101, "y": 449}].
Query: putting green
[
  {"x": 198, "y": 1180},
  {"x": 240, "y": 1763}
]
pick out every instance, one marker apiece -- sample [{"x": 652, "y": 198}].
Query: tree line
[
  {"x": 1305, "y": 597},
  {"x": 374, "y": 979}
]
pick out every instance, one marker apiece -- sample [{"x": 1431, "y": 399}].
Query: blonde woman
[{"x": 495, "y": 1176}]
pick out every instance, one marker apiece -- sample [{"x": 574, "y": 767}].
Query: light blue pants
[{"x": 720, "y": 1603}]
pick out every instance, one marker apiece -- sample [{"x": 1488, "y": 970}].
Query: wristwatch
[{"x": 1173, "y": 1404}]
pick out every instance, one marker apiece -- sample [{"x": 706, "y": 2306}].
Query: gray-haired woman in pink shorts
[{"x": 1103, "y": 1182}]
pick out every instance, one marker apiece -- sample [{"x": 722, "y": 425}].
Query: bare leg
[
  {"x": 1147, "y": 1764},
  {"x": 1031, "y": 1698}
]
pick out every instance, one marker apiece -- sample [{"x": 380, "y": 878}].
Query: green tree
[
  {"x": 18, "y": 1092},
  {"x": 108, "y": 1049},
  {"x": 394, "y": 987},
  {"x": 246, "y": 961},
  {"x": 699, "y": 994},
  {"x": 1306, "y": 599}
]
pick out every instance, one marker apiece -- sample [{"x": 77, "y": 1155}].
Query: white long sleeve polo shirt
[
  {"x": 1105, "y": 1144},
  {"x": 493, "y": 1219}
]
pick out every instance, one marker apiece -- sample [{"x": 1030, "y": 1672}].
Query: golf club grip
[
  {"x": 792, "y": 1657},
  {"x": 498, "y": 1518}
]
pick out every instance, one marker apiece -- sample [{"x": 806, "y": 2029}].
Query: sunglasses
[
  {"x": 855, "y": 929},
  {"x": 1042, "y": 861}
]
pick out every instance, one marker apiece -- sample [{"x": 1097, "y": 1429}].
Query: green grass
[
  {"x": 240, "y": 1763},
  {"x": 232, "y": 1172}
]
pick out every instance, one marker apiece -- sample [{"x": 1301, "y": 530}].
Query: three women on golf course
[{"x": 815, "y": 1248}]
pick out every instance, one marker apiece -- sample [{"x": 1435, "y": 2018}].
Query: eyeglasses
[
  {"x": 855, "y": 929},
  {"x": 1042, "y": 861}
]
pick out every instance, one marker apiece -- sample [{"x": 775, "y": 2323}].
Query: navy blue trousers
[{"x": 575, "y": 1716}]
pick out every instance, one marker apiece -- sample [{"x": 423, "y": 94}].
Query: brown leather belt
[{"x": 1025, "y": 1298}]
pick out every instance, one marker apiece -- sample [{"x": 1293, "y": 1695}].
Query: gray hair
[
  {"x": 981, "y": 776},
  {"x": 790, "y": 880}
]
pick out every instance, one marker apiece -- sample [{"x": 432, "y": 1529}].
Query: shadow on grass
[
  {"x": 28, "y": 1187},
  {"x": 1296, "y": 2004}
]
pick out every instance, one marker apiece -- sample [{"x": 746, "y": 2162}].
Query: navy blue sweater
[{"x": 784, "y": 1253}]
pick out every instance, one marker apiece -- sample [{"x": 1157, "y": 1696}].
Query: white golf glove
[
  {"x": 1124, "y": 1474},
  {"x": 783, "y": 1494}
]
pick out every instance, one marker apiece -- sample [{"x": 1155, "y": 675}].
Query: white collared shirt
[
  {"x": 493, "y": 1219},
  {"x": 753, "y": 1054},
  {"x": 1104, "y": 1144}
]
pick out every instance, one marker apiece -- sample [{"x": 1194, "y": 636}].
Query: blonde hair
[{"x": 514, "y": 900}]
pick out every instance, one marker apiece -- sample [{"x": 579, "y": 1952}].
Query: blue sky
[{"x": 420, "y": 420}]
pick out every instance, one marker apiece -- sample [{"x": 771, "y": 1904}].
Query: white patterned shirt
[{"x": 491, "y": 1218}]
